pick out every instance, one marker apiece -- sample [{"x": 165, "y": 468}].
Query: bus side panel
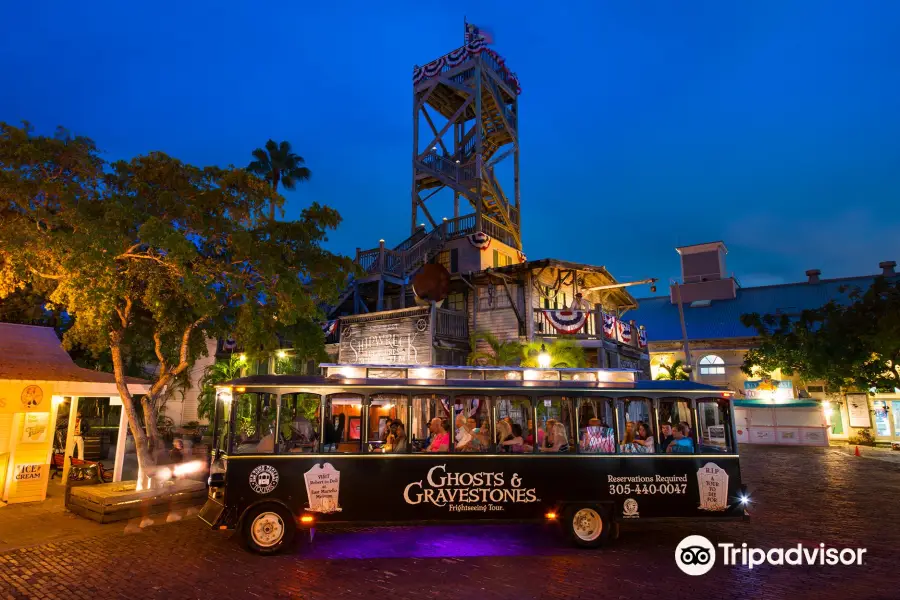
[{"x": 465, "y": 487}]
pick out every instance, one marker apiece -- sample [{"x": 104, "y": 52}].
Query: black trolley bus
[{"x": 389, "y": 445}]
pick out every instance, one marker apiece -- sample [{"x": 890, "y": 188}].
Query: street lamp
[
  {"x": 242, "y": 357},
  {"x": 544, "y": 357}
]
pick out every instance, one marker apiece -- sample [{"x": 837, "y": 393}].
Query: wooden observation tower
[
  {"x": 476, "y": 98},
  {"x": 465, "y": 122}
]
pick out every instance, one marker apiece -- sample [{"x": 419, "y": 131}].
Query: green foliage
[
  {"x": 277, "y": 164},
  {"x": 153, "y": 256},
  {"x": 502, "y": 354},
  {"x": 673, "y": 372},
  {"x": 855, "y": 345},
  {"x": 216, "y": 374},
  {"x": 564, "y": 354}
]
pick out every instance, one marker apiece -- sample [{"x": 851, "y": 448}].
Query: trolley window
[
  {"x": 472, "y": 418},
  {"x": 430, "y": 423},
  {"x": 714, "y": 425},
  {"x": 299, "y": 425},
  {"x": 343, "y": 423},
  {"x": 556, "y": 424},
  {"x": 595, "y": 426},
  {"x": 515, "y": 424},
  {"x": 674, "y": 411},
  {"x": 388, "y": 414},
  {"x": 254, "y": 424},
  {"x": 636, "y": 431}
]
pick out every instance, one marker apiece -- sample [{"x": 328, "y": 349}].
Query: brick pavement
[{"x": 807, "y": 495}]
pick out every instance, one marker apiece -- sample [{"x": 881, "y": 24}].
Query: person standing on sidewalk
[{"x": 81, "y": 428}]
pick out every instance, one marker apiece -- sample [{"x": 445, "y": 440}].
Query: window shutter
[{"x": 454, "y": 260}]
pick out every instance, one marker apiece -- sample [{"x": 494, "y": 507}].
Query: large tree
[
  {"x": 853, "y": 344},
  {"x": 278, "y": 164},
  {"x": 156, "y": 254}
]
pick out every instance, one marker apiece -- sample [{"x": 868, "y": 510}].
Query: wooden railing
[
  {"x": 542, "y": 326},
  {"x": 593, "y": 329},
  {"x": 380, "y": 260},
  {"x": 423, "y": 250},
  {"x": 497, "y": 231},
  {"x": 451, "y": 324},
  {"x": 458, "y": 227}
]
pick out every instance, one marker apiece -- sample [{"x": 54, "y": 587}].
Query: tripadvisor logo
[
  {"x": 696, "y": 555},
  {"x": 468, "y": 491}
]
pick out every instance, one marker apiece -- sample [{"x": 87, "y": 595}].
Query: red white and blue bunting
[
  {"x": 566, "y": 321},
  {"x": 642, "y": 337},
  {"x": 480, "y": 240},
  {"x": 329, "y": 327},
  {"x": 609, "y": 326},
  {"x": 521, "y": 256},
  {"x": 457, "y": 57},
  {"x": 623, "y": 331}
]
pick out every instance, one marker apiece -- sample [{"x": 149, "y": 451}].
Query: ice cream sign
[{"x": 769, "y": 389}]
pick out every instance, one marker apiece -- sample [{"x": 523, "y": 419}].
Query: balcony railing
[
  {"x": 592, "y": 329},
  {"x": 451, "y": 324}
]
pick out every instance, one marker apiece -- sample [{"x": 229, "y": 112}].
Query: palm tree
[
  {"x": 216, "y": 373},
  {"x": 277, "y": 164},
  {"x": 502, "y": 354},
  {"x": 675, "y": 372},
  {"x": 564, "y": 354}
]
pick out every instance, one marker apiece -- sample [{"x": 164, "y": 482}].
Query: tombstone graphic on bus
[
  {"x": 323, "y": 486},
  {"x": 713, "y": 482}
]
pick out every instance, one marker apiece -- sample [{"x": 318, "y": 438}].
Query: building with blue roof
[{"x": 712, "y": 302}]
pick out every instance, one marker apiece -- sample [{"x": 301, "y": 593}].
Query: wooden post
[
  {"x": 381, "y": 256},
  {"x": 70, "y": 437},
  {"x": 479, "y": 145},
  {"x": 415, "y": 156}
]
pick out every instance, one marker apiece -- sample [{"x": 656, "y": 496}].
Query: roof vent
[
  {"x": 887, "y": 268},
  {"x": 813, "y": 275}
]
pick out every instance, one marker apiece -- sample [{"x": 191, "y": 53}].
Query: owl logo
[{"x": 32, "y": 397}]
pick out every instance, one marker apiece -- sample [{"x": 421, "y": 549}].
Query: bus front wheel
[
  {"x": 268, "y": 528},
  {"x": 589, "y": 525}
]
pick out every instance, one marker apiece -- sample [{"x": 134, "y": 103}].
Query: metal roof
[
  {"x": 721, "y": 319},
  {"x": 288, "y": 381},
  {"x": 33, "y": 353}
]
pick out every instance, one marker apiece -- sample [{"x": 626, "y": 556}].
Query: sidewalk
[
  {"x": 37, "y": 523},
  {"x": 883, "y": 454}
]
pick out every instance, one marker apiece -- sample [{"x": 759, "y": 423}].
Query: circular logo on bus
[
  {"x": 630, "y": 508},
  {"x": 32, "y": 396},
  {"x": 263, "y": 479}
]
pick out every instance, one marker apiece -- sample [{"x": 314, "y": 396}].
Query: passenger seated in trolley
[
  {"x": 395, "y": 441},
  {"x": 638, "y": 438},
  {"x": 509, "y": 437},
  {"x": 557, "y": 440},
  {"x": 440, "y": 435},
  {"x": 681, "y": 442},
  {"x": 597, "y": 438}
]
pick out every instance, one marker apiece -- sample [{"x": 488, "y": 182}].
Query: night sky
[{"x": 773, "y": 125}]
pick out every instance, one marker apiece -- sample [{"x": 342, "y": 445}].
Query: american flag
[{"x": 473, "y": 32}]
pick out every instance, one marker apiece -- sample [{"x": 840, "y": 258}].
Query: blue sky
[{"x": 771, "y": 125}]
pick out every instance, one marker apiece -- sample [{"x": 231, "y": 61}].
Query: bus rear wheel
[
  {"x": 589, "y": 525},
  {"x": 268, "y": 528}
]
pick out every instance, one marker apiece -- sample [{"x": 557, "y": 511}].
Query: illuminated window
[{"x": 712, "y": 365}]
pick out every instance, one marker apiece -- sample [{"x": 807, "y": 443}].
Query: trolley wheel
[
  {"x": 268, "y": 528},
  {"x": 589, "y": 525},
  {"x": 614, "y": 531}
]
